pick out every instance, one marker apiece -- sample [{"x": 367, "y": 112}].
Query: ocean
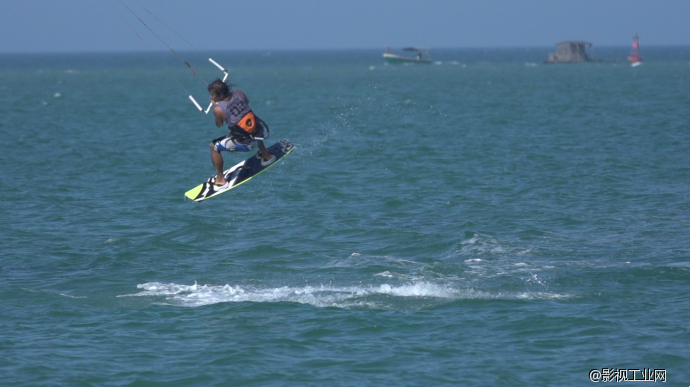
[{"x": 487, "y": 220}]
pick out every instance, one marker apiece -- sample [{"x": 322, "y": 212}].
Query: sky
[{"x": 39, "y": 26}]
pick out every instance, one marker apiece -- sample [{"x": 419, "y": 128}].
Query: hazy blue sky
[{"x": 95, "y": 25}]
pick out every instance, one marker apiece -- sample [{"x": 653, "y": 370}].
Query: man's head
[{"x": 219, "y": 90}]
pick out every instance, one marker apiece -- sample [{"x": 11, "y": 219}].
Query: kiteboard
[{"x": 240, "y": 173}]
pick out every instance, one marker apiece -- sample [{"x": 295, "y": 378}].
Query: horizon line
[{"x": 164, "y": 50}]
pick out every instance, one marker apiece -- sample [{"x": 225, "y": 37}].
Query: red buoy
[{"x": 635, "y": 54}]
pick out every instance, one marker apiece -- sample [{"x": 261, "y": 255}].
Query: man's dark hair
[{"x": 220, "y": 88}]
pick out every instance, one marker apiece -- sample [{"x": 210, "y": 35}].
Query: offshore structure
[
  {"x": 635, "y": 53},
  {"x": 571, "y": 52}
]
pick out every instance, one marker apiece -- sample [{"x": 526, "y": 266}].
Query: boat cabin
[{"x": 571, "y": 52}]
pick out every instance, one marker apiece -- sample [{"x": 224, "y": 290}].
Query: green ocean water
[{"x": 483, "y": 221}]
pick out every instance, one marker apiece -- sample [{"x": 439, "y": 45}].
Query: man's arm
[{"x": 219, "y": 114}]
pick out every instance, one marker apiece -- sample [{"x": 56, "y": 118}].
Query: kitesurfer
[{"x": 246, "y": 129}]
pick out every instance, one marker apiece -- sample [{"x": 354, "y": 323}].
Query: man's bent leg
[
  {"x": 217, "y": 160},
  {"x": 265, "y": 154}
]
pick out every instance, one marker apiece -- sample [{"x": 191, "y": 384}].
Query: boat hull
[{"x": 397, "y": 59}]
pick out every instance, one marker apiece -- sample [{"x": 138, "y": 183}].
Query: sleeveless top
[{"x": 236, "y": 108}]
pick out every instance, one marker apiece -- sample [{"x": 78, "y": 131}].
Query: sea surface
[{"x": 486, "y": 220}]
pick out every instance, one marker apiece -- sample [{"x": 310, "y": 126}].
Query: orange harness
[{"x": 248, "y": 123}]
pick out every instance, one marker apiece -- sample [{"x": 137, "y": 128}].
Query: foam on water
[{"x": 325, "y": 295}]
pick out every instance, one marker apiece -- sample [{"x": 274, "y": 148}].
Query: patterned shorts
[{"x": 228, "y": 144}]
